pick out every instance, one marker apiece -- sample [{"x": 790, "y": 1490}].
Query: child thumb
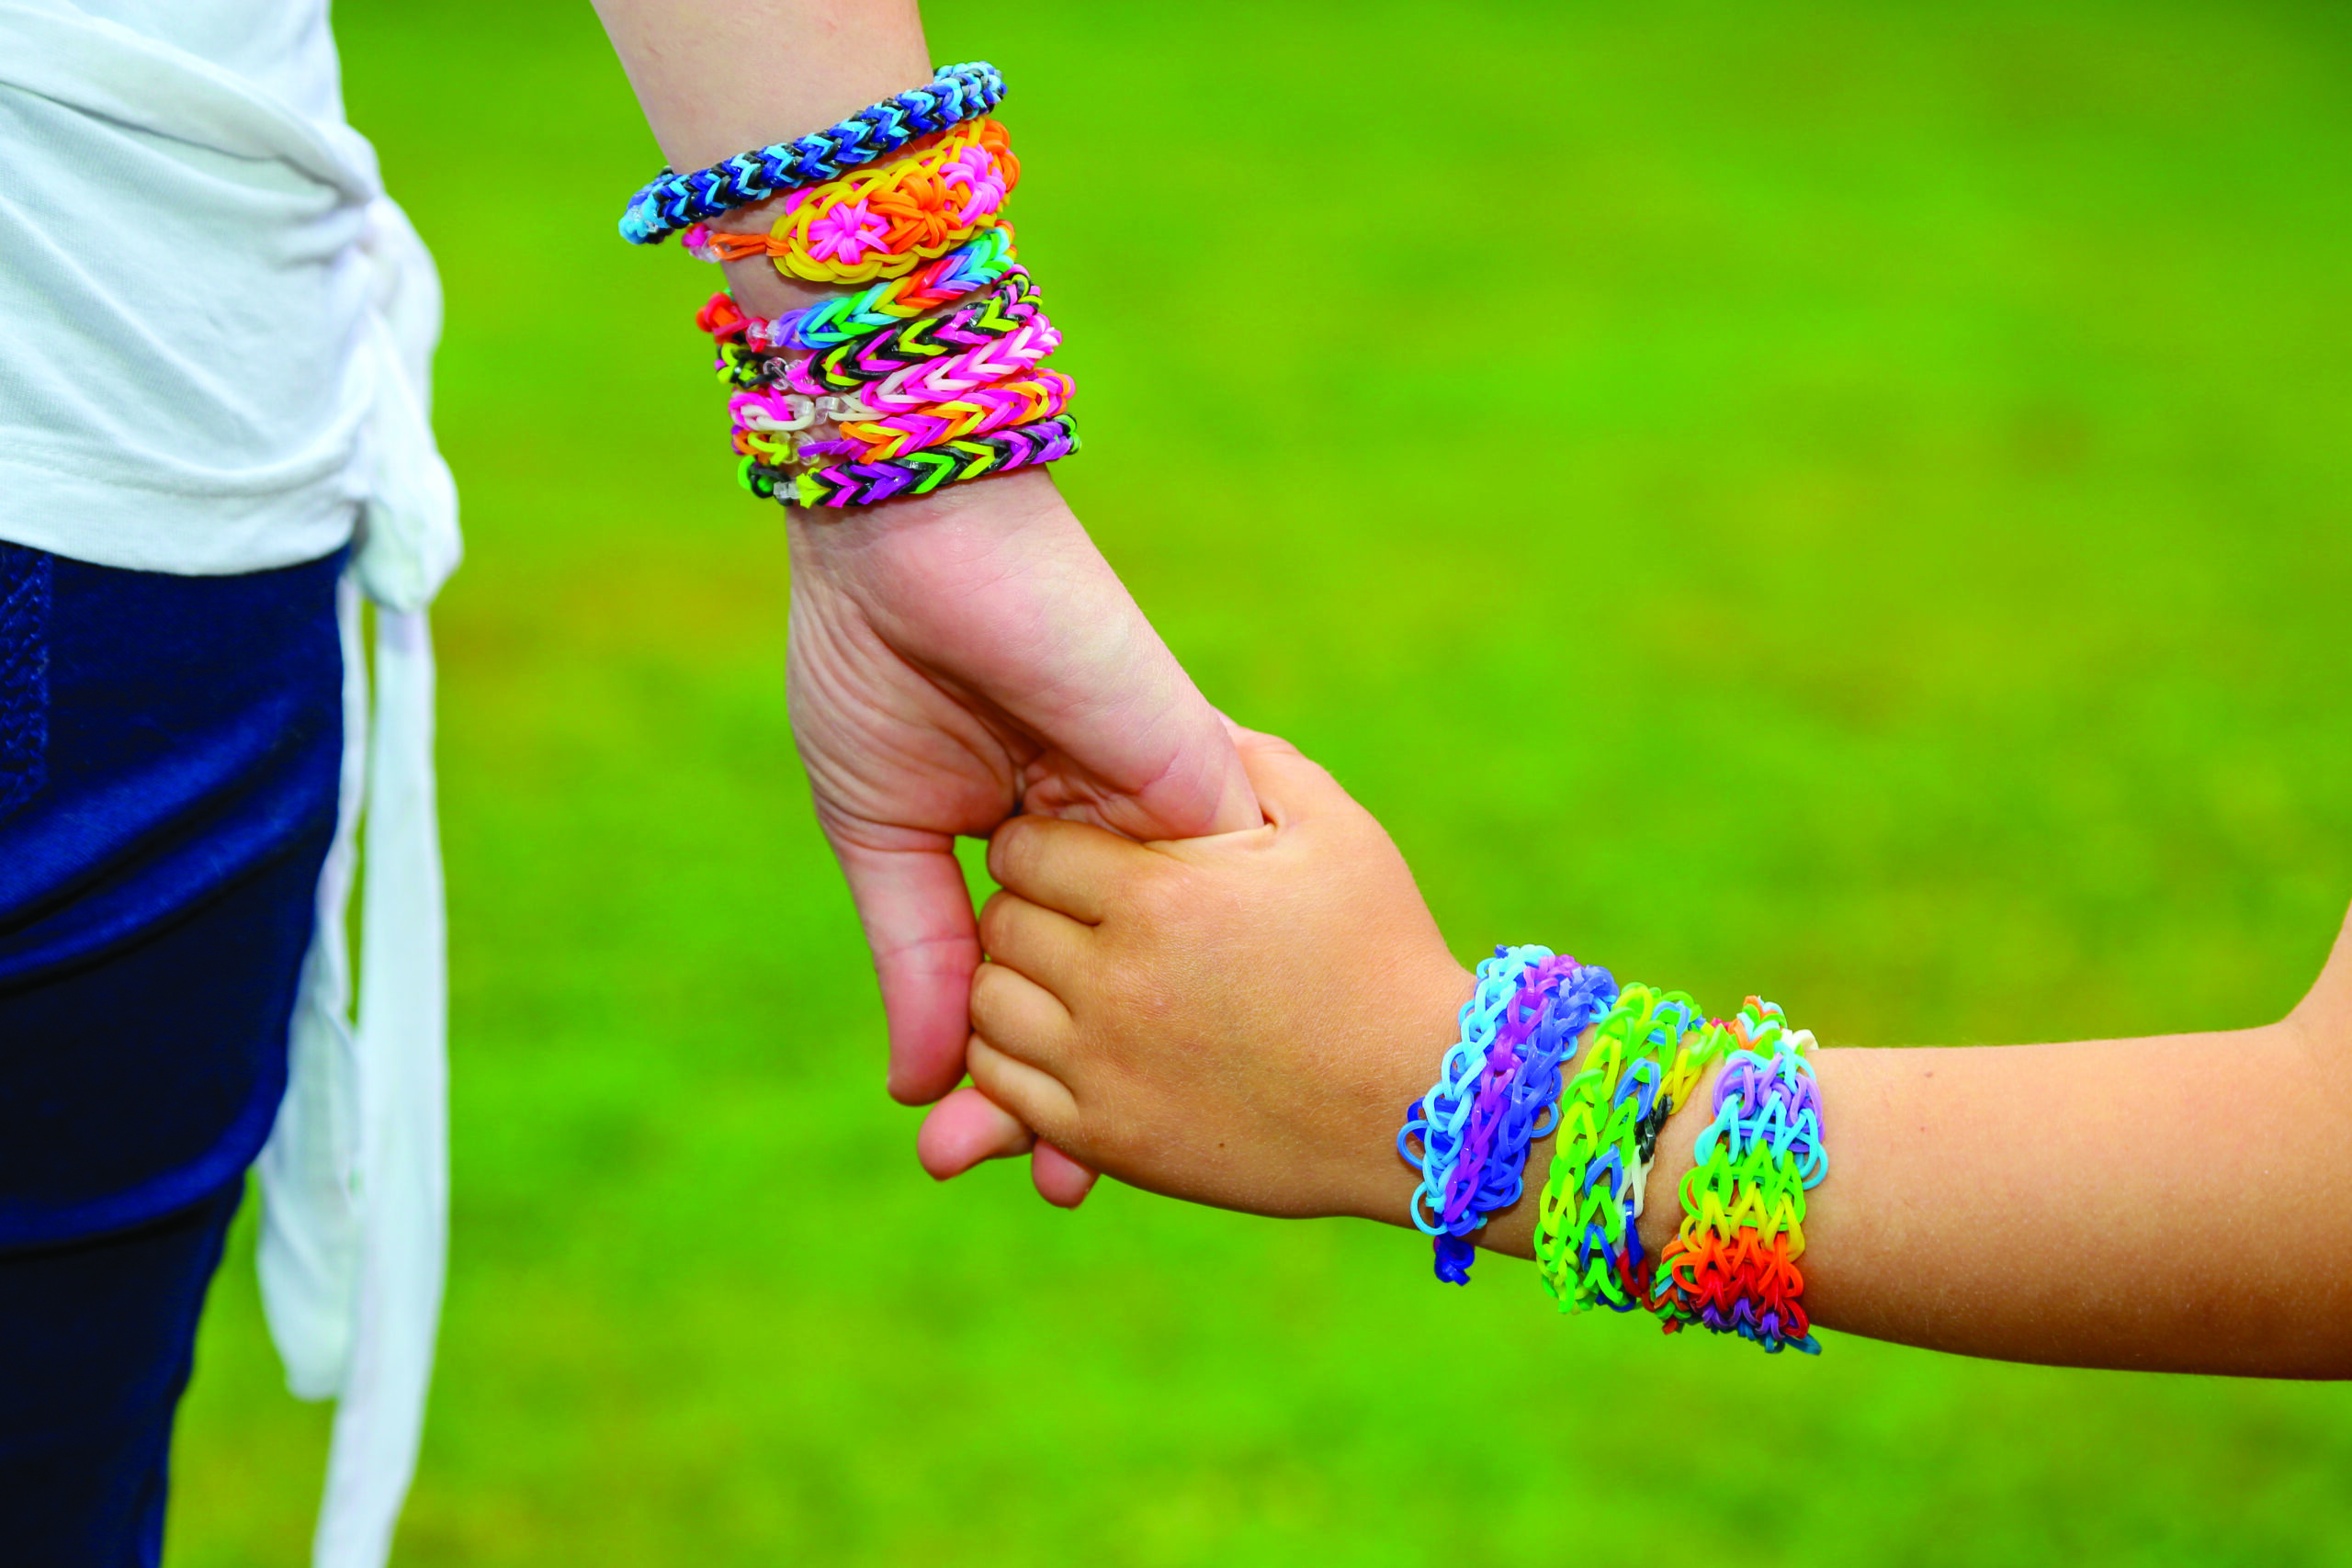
[{"x": 1289, "y": 788}]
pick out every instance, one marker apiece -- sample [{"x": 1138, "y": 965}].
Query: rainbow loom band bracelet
[
  {"x": 671, "y": 202},
  {"x": 1611, "y": 1268},
  {"x": 1001, "y": 312},
  {"x": 1025, "y": 400},
  {"x": 1732, "y": 1266},
  {"x": 1586, "y": 1247},
  {"x": 918, "y": 473},
  {"x": 1435, "y": 1121},
  {"x": 918, "y": 386},
  {"x": 963, "y": 272},
  {"x": 1520, "y": 1103},
  {"x": 886, "y": 221}
]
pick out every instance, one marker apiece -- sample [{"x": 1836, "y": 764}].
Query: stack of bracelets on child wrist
[
  {"x": 1732, "y": 1265},
  {"x": 932, "y": 372}
]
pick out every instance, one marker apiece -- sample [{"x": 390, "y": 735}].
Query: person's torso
[{"x": 179, "y": 267}]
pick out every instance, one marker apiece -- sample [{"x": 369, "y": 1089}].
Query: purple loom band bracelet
[
  {"x": 1437, "y": 1119},
  {"x": 1519, "y": 1103},
  {"x": 1513, "y": 1034}
]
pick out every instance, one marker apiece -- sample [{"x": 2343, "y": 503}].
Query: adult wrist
[{"x": 1024, "y": 504}]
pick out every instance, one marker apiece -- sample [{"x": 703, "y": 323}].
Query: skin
[
  {"x": 953, "y": 659},
  {"x": 1241, "y": 1020}
]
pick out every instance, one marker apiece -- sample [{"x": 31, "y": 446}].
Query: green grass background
[{"x": 1848, "y": 500}]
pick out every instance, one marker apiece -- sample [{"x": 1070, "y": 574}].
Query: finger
[
  {"x": 1019, "y": 1017},
  {"x": 1029, "y": 938},
  {"x": 1037, "y": 1098},
  {"x": 1066, "y": 866},
  {"x": 965, "y": 1129},
  {"x": 918, "y": 918},
  {"x": 1289, "y": 787},
  {"x": 1060, "y": 1181}
]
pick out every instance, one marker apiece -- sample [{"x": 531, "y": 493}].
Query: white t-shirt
[{"x": 182, "y": 284}]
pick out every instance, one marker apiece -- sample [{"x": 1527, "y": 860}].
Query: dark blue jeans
[{"x": 170, "y": 756}]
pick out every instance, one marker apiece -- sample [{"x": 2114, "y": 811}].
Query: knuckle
[
  {"x": 1013, "y": 850},
  {"x": 1155, "y": 894},
  {"x": 988, "y": 996},
  {"x": 996, "y": 920}
]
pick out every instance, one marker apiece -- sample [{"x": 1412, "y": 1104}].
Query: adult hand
[{"x": 956, "y": 660}]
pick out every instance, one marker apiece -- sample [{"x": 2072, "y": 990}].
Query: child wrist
[{"x": 1610, "y": 1096}]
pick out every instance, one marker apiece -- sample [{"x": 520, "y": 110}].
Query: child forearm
[
  {"x": 1243, "y": 1020},
  {"x": 2176, "y": 1203}
]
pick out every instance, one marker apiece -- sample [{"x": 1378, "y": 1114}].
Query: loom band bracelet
[
  {"x": 983, "y": 265},
  {"x": 916, "y": 346},
  {"x": 1629, "y": 1144},
  {"x": 1463, "y": 1074},
  {"x": 670, "y": 201},
  {"x": 779, "y": 449},
  {"x": 1530, "y": 1102},
  {"x": 1439, "y": 1116},
  {"x": 1448, "y": 1104},
  {"x": 1541, "y": 1027},
  {"x": 981, "y": 262},
  {"x": 1486, "y": 1174},
  {"x": 1698, "y": 1049},
  {"x": 918, "y": 473},
  {"x": 1749, "y": 1290},
  {"x": 1460, "y": 1210},
  {"x": 1439, "y": 1140},
  {"x": 1022, "y": 401},
  {"x": 1752, "y": 1189},
  {"x": 997, "y": 313},
  {"x": 1594, "y": 992},
  {"x": 917, "y": 385},
  {"x": 1775, "y": 1102},
  {"x": 741, "y": 367},
  {"x": 885, "y": 221},
  {"x": 769, "y": 407}
]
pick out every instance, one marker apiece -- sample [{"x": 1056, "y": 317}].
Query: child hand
[{"x": 1237, "y": 1020}]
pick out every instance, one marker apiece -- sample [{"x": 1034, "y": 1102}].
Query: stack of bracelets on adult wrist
[
  {"x": 1506, "y": 1082},
  {"x": 931, "y": 372}
]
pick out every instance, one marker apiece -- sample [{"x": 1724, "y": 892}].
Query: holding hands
[
  {"x": 1237, "y": 1019},
  {"x": 954, "y": 659}
]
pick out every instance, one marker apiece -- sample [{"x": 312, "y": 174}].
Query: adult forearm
[{"x": 718, "y": 77}]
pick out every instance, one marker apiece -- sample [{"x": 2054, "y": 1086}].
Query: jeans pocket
[{"x": 24, "y": 674}]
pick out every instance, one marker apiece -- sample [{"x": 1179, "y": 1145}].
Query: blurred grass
[{"x": 1932, "y": 423}]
